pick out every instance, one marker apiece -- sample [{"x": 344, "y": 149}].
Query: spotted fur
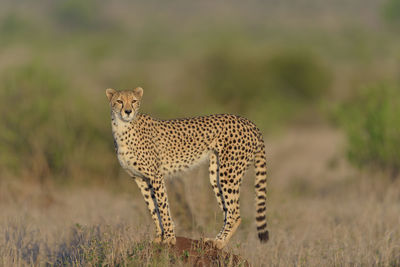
[{"x": 150, "y": 149}]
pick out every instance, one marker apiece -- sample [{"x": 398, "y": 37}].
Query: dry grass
[{"x": 321, "y": 213}]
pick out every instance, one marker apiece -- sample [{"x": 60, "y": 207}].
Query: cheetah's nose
[{"x": 128, "y": 111}]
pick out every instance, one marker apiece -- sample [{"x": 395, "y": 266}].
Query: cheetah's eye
[
  {"x": 119, "y": 101},
  {"x": 134, "y": 101}
]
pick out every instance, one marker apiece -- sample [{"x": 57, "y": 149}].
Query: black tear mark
[{"x": 115, "y": 146}]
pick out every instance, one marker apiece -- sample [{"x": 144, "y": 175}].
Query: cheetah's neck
[{"x": 120, "y": 126}]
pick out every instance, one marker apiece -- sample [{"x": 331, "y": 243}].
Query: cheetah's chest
[
  {"x": 127, "y": 155},
  {"x": 127, "y": 160}
]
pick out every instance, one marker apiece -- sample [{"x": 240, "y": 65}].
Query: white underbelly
[{"x": 126, "y": 164}]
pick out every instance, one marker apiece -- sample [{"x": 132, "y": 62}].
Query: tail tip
[{"x": 264, "y": 236}]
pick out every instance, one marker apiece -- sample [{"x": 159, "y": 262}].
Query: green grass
[{"x": 372, "y": 125}]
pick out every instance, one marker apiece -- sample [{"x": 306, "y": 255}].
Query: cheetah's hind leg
[{"x": 226, "y": 179}]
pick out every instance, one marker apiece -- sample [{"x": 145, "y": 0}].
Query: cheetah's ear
[
  {"x": 110, "y": 93},
  {"x": 138, "y": 91}
]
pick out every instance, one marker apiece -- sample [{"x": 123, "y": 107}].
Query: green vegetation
[
  {"x": 372, "y": 124},
  {"x": 57, "y": 58},
  {"x": 391, "y": 11},
  {"x": 77, "y": 15},
  {"x": 243, "y": 80},
  {"x": 28, "y": 115},
  {"x": 45, "y": 124},
  {"x": 300, "y": 75}
]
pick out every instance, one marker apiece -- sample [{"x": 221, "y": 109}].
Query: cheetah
[{"x": 151, "y": 149}]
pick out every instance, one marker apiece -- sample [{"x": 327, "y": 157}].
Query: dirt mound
[{"x": 199, "y": 253}]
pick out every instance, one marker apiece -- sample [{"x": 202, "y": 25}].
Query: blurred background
[{"x": 320, "y": 78}]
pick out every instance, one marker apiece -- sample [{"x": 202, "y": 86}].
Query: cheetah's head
[{"x": 125, "y": 104}]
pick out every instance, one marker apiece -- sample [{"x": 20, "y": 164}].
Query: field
[
  {"x": 321, "y": 213},
  {"x": 320, "y": 79}
]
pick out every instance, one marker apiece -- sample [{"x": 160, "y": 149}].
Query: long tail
[{"x": 260, "y": 163}]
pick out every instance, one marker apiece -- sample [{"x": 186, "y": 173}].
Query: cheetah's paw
[{"x": 216, "y": 243}]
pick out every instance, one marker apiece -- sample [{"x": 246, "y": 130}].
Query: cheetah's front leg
[
  {"x": 155, "y": 196},
  {"x": 147, "y": 195}
]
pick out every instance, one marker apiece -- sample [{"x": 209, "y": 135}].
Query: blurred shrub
[
  {"x": 76, "y": 14},
  {"x": 292, "y": 73},
  {"x": 372, "y": 124},
  {"x": 299, "y": 74},
  {"x": 255, "y": 83},
  {"x": 234, "y": 80},
  {"x": 15, "y": 25},
  {"x": 44, "y": 126},
  {"x": 391, "y": 11},
  {"x": 12, "y": 24}
]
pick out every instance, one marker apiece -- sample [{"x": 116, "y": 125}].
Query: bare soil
[{"x": 199, "y": 253}]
